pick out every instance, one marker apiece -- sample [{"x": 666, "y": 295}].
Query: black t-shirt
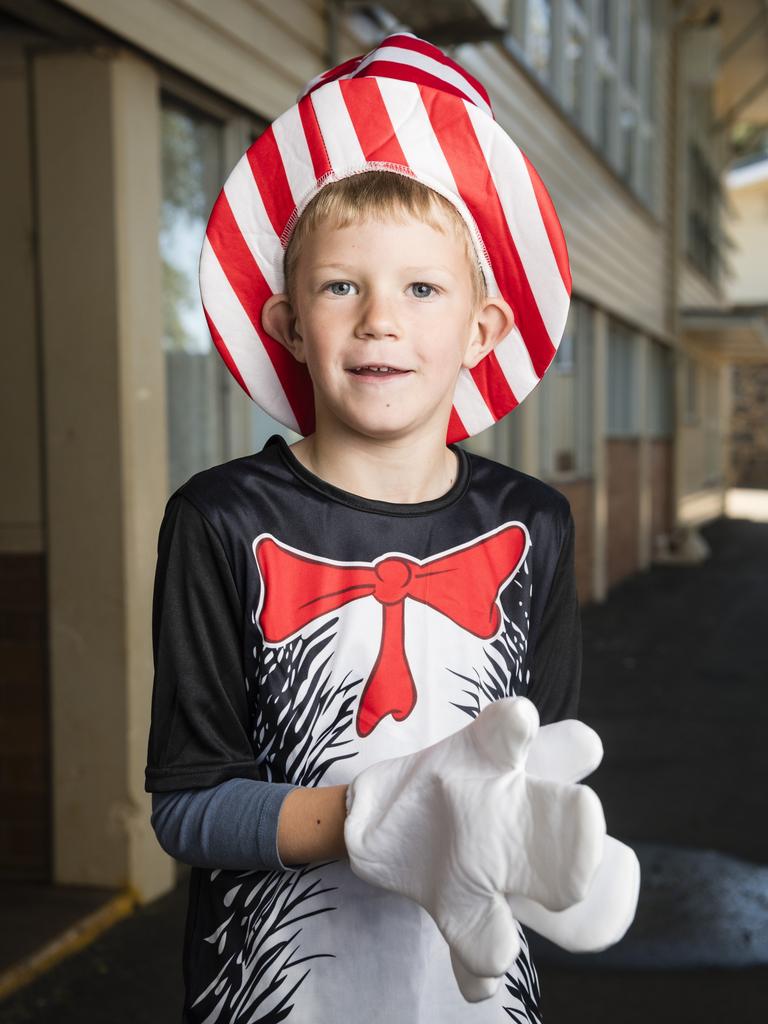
[{"x": 301, "y": 633}]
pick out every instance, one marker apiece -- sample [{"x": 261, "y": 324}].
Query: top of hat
[{"x": 406, "y": 57}]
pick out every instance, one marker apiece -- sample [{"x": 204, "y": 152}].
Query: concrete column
[
  {"x": 97, "y": 136},
  {"x": 644, "y": 490},
  {"x": 600, "y": 479}
]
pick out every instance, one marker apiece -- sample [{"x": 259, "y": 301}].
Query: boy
[{"x": 327, "y": 610}]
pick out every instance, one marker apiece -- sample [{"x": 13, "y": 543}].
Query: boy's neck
[{"x": 405, "y": 472}]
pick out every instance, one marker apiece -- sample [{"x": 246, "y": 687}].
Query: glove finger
[
  {"x": 565, "y": 844},
  {"x": 602, "y": 918},
  {"x": 564, "y": 751},
  {"x": 487, "y": 943},
  {"x": 504, "y": 730},
  {"x": 473, "y": 987}
]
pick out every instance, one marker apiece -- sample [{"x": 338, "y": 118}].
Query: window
[
  {"x": 500, "y": 442},
  {"x": 703, "y": 242},
  {"x": 565, "y": 400},
  {"x": 575, "y": 63},
  {"x": 630, "y": 37},
  {"x": 661, "y": 390},
  {"x": 622, "y": 381},
  {"x": 691, "y": 391},
  {"x": 628, "y": 125},
  {"x": 597, "y": 59},
  {"x": 538, "y": 36},
  {"x": 210, "y": 419},
  {"x": 646, "y": 165},
  {"x": 648, "y": 73},
  {"x": 604, "y": 109},
  {"x": 191, "y": 147},
  {"x": 606, "y": 22}
]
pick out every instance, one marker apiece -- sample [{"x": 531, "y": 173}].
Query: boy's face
[{"x": 396, "y": 294}]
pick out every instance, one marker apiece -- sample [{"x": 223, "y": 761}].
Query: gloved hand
[
  {"x": 568, "y": 751},
  {"x": 459, "y": 824}
]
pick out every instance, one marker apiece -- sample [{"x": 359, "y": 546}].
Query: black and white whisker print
[
  {"x": 368, "y": 636},
  {"x": 267, "y": 907}
]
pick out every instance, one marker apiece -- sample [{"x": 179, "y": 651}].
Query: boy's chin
[
  {"x": 392, "y": 424},
  {"x": 385, "y": 418}
]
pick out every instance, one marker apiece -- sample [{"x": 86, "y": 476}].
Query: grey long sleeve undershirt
[{"x": 231, "y": 826}]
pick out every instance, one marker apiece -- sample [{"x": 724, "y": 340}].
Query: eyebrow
[
  {"x": 331, "y": 266},
  {"x": 346, "y": 266}
]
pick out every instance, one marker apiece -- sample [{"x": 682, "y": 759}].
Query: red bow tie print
[{"x": 464, "y": 585}]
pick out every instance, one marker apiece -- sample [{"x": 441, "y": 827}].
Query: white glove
[
  {"x": 568, "y": 751},
  {"x": 459, "y": 824}
]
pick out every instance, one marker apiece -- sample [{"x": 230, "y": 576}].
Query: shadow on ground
[{"x": 132, "y": 973}]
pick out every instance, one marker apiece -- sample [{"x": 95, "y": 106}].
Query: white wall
[
  {"x": 259, "y": 54},
  {"x": 748, "y": 228}
]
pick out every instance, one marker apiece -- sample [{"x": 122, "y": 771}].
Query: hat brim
[{"x": 349, "y": 126}]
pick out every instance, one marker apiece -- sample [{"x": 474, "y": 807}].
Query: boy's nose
[{"x": 378, "y": 318}]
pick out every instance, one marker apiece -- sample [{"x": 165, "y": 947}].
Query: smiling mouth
[{"x": 378, "y": 374}]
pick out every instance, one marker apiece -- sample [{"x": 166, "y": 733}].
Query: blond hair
[{"x": 385, "y": 195}]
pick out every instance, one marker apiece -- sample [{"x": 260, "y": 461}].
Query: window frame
[
  {"x": 605, "y": 60},
  {"x": 577, "y": 20},
  {"x": 615, "y": 427},
  {"x": 239, "y": 127},
  {"x": 579, "y": 365},
  {"x": 660, "y": 391}
]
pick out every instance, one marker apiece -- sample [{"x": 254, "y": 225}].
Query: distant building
[{"x": 747, "y": 192}]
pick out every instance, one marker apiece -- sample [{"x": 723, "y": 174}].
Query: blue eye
[
  {"x": 423, "y": 284},
  {"x": 332, "y": 284}
]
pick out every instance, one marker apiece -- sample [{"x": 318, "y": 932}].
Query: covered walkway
[{"x": 676, "y": 683}]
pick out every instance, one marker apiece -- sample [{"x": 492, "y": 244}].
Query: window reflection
[
  {"x": 661, "y": 390},
  {"x": 630, "y": 43},
  {"x": 622, "y": 372},
  {"x": 539, "y": 42},
  {"x": 600, "y": 53},
  {"x": 565, "y": 399},
  {"x": 604, "y": 107},
  {"x": 628, "y": 125},
  {"x": 574, "y": 57},
  {"x": 195, "y": 375},
  {"x": 605, "y": 20}
]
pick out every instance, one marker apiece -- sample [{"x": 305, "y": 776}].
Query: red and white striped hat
[{"x": 408, "y": 108}]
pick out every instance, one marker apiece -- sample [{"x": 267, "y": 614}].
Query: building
[
  {"x": 747, "y": 192},
  {"x": 121, "y": 123}
]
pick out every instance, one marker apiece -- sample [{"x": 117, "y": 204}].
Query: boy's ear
[
  {"x": 490, "y": 324},
  {"x": 279, "y": 321}
]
